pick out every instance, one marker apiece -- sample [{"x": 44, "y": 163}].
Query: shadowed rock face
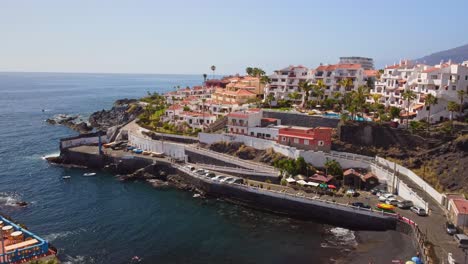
[{"x": 121, "y": 113}]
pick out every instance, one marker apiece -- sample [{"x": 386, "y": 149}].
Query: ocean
[{"x": 101, "y": 220}]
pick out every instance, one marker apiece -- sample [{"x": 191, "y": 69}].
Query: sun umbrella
[
  {"x": 331, "y": 186},
  {"x": 416, "y": 260},
  {"x": 409, "y": 262}
]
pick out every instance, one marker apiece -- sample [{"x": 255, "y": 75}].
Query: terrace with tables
[{"x": 18, "y": 245}]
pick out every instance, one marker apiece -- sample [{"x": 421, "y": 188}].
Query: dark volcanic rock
[{"x": 117, "y": 115}]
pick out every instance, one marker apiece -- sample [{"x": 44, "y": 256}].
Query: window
[
  {"x": 321, "y": 143},
  {"x": 252, "y": 134},
  {"x": 296, "y": 140},
  {"x": 306, "y": 142},
  {"x": 466, "y": 77},
  {"x": 454, "y": 87},
  {"x": 433, "y": 77},
  {"x": 283, "y": 139}
]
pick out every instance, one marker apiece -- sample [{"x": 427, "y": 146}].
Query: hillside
[{"x": 457, "y": 55}]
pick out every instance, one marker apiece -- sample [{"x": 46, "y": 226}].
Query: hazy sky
[{"x": 175, "y": 36}]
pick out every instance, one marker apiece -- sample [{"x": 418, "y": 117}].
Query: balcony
[{"x": 237, "y": 124}]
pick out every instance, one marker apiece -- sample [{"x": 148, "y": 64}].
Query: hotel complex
[{"x": 200, "y": 106}]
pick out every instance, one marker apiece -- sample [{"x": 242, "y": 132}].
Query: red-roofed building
[
  {"x": 458, "y": 212},
  {"x": 358, "y": 180},
  {"x": 317, "y": 139},
  {"x": 320, "y": 178}
]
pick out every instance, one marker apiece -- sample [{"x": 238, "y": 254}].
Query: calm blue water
[{"x": 100, "y": 220}]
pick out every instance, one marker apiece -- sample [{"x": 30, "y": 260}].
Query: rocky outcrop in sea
[{"x": 75, "y": 122}]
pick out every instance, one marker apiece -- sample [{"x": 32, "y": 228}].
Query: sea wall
[
  {"x": 324, "y": 212},
  {"x": 83, "y": 139},
  {"x": 297, "y": 119}
]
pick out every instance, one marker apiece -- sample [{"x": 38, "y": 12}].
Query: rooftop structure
[
  {"x": 317, "y": 139},
  {"x": 367, "y": 63}
]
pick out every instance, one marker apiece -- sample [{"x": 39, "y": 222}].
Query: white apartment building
[
  {"x": 286, "y": 81},
  {"x": 443, "y": 81},
  {"x": 331, "y": 75}
]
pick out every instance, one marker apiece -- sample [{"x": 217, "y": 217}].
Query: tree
[
  {"x": 186, "y": 108},
  {"x": 213, "y": 68},
  {"x": 270, "y": 98},
  {"x": 249, "y": 71},
  {"x": 409, "y": 96},
  {"x": 394, "y": 112},
  {"x": 301, "y": 166},
  {"x": 306, "y": 87},
  {"x": 461, "y": 96},
  {"x": 333, "y": 168},
  {"x": 430, "y": 101},
  {"x": 204, "y": 78},
  {"x": 375, "y": 98},
  {"x": 319, "y": 89},
  {"x": 452, "y": 107},
  {"x": 359, "y": 97},
  {"x": 346, "y": 82},
  {"x": 294, "y": 96}
]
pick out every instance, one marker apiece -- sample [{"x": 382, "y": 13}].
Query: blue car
[
  {"x": 137, "y": 151},
  {"x": 130, "y": 148}
]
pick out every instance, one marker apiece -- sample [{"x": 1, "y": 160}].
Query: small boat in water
[
  {"x": 66, "y": 177},
  {"x": 88, "y": 174}
]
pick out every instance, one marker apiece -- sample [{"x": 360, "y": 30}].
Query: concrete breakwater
[{"x": 292, "y": 205}]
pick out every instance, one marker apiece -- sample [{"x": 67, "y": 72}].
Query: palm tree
[
  {"x": 347, "y": 82},
  {"x": 204, "y": 77},
  {"x": 269, "y": 99},
  {"x": 461, "y": 96},
  {"x": 306, "y": 87},
  {"x": 203, "y": 110},
  {"x": 452, "y": 107},
  {"x": 319, "y": 90},
  {"x": 409, "y": 96},
  {"x": 430, "y": 101},
  {"x": 249, "y": 71},
  {"x": 359, "y": 97},
  {"x": 375, "y": 98},
  {"x": 213, "y": 68},
  {"x": 294, "y": 96}
]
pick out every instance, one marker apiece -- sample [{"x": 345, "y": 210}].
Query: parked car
[
  {"x": 406, "y": 204},
  {"x": 362, "y": 205},
  {"x": 219, "y": 178},
  {"x": 226, "y": 179},
  {"x": 462, "y": 240},
  {"x": 450, "y": 228},
  {"x": 419, "y": 211},
  {"x": 351, "y": 192},
  {"x": 392, "y": 201},
  {"x": 201, "y": 171},
  {"x": 374, "y": 191},
  {"x": 190, "y": 167},
  {"x": 386, "y": 196},
  {"x": 210, "y": 175}
]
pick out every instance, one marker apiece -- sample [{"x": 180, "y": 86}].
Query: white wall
[
  {"x": 82, "y": 141},
  {"x": 168, "y": 148},
  {"x": 414, "y": 177}
]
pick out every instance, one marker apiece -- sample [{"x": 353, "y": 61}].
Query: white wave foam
[
  {"x": 9, "y": 199},
  {"x": 54, "y": 236},
  {"x": 51, "y": 155},
  {"x": 77, "y": 259},
  {"x": 343, "y": 237}
]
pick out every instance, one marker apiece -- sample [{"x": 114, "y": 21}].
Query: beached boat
[
  {"x": 66, "y": 177},
  {"x": 88, "y": 174}
]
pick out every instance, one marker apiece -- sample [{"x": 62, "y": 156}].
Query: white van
[{"x": 462, "y": 240}]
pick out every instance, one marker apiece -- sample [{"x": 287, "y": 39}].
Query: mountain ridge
[{"x": 456, "y": 55}]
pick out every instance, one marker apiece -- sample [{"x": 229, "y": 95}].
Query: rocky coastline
[{"x": 122, "y": 112}]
